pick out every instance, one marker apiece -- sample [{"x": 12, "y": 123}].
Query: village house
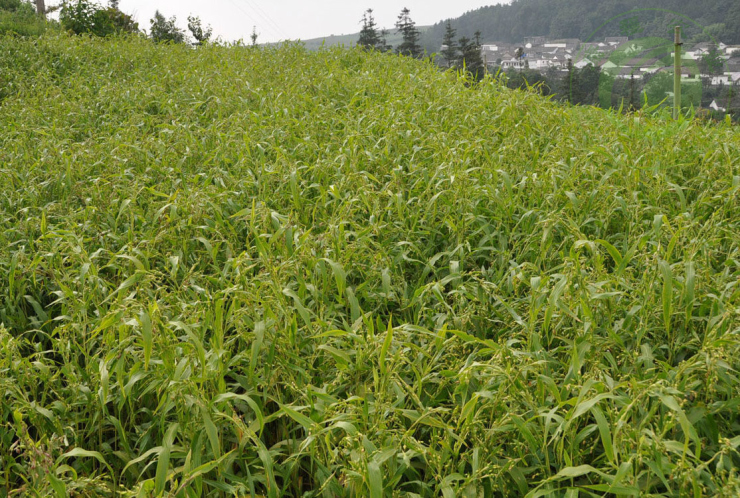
[
  {"x": 542, "y": 54},
  {"x": 722, "y": 80},
  {"x": 566, "y": 44},
  {"x": 716, "y": 107},
  {"x": 583, "y": 63},
  {"x": 632, "y": 68},
  {"x": 616, "y": 41},
  {"x": 732, "y": 66},
  {"x": 535, "y": 40},
  {"x": 513, "y": 63},
  {"x": 493, "y": 51}
]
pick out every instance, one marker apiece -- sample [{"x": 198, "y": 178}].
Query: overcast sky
[{"x": 294, "y": 19}]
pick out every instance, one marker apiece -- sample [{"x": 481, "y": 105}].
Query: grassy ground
[{"x": 281, "y": 273}]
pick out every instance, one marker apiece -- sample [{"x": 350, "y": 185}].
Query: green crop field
[{"x": 281, "y": 273}]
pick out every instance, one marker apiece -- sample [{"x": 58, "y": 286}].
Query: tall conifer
[
  {"x": 449, "y": 52},
  {"x": 410, "y": 45},
  {"x": 471, "y": 54},
  {"x": 369, "y": 37}
]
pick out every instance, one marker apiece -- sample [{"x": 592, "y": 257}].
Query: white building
[{"x": 716, "y": 107}]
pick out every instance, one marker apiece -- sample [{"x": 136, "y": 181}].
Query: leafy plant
[
  {"x": 271, "y": 272},
  {"x": 19, "y": 18},
  {"x": 164, "y": 30},
  {"x": 83, "y": 16},
  {"x": 200, "y": 34}
]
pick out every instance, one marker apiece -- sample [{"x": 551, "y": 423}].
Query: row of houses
[
  {"x": 538, "y": 52},
  {"x": 618, "y": 56}
]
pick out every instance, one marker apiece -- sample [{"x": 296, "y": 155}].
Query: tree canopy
[
  {"x": 200, "y": 33},
  {"x": 84, "y": 16},
  {"x": 164, "y": 30}
]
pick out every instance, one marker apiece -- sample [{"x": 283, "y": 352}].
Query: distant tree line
[
  {"x": 463, "y": 52},
  {"x": 370, "y": 37},
  {"x": 373, "y": 39},
  {"x": 457, "y": 53}
]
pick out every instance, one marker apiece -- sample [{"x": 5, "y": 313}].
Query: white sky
[{"x": 294, "y": 19}]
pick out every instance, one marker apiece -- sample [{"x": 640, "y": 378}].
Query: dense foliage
[
  {"x": 594, "y": 20},
  {"x": 200, "y": 33},
  {"x": 471, "y": 57},
  {"x": 19, "y": 17},
  {"x": 279, "y": 273},
  {"x": 590, "y": 85},
  {"x": 163, "y": 30},
  {"x": 86, "y": 17}
]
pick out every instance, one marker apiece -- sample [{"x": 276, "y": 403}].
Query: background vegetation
[
  {"x": 88, "y": 17},
  {"x": 271, "y": 272},
  {"x": 592, "y": 20},
  {"x": 19, "y": 17},
  {"x": 592, "y": 86}
]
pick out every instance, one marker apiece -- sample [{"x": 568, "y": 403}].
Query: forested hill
[{"x": 595, "y": 19}]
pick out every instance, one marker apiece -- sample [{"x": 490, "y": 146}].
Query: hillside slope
[
  {"x": 596, "y": 19},
  {"x": 237, "y": 271},
  {"x": 393, "y": 38}
]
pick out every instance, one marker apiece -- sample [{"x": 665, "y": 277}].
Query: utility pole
[
  {"x": 677, "y": 74},
  {"x": 41, "y": 7}
]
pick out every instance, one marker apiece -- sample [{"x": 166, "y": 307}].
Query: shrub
[
  {"x": 19, "y": 17},
  {"x": 83, "y": 16},
  {"x": 165, "y": 30}
]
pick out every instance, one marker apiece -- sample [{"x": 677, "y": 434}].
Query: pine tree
[
  {"x": 588, "y": 85},
  {"x": 449, "y": 50},
  {"x": 571, "y": 84},
  {"x": 471, "y": 55},
  {"x": 632, "y": 105},
  {"x": 254, "y": 36},
  {"x": 383, "y": 45},
  {"x": 369, "y": 38},
  {"x": 712, "y": 63},
  {"x": 410, "y": 45}
]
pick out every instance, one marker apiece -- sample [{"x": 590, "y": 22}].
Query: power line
[
  {"x": 267, "y": 22},
  {"x": 252, "y": 20},
  {"x": 256, "y": 7}
]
